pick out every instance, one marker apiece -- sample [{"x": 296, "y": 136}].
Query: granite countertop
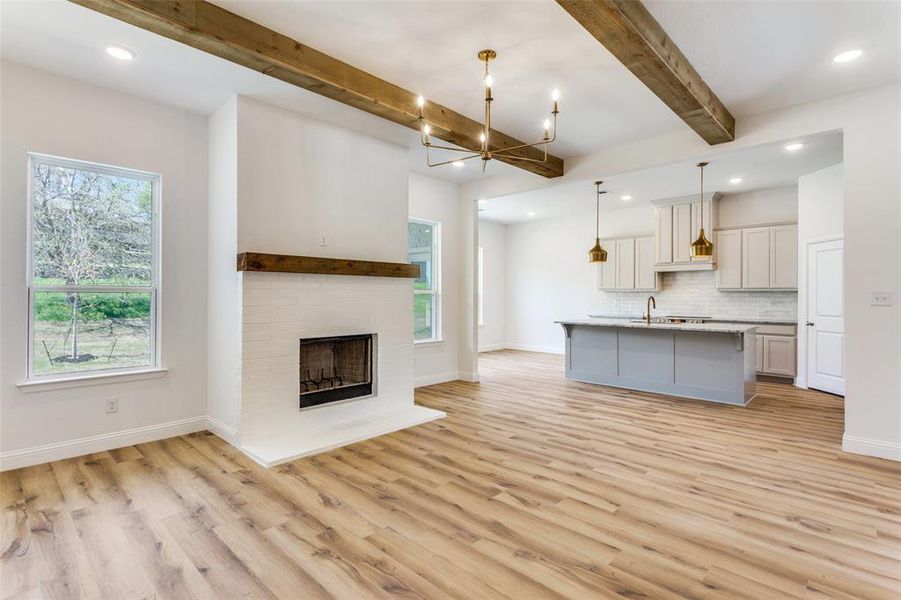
[
  {"x": 623, "y": 322},
  {"x": 755, "y": 320}
]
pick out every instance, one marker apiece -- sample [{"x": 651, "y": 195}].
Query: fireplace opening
[{"x": 334, "y": 368}]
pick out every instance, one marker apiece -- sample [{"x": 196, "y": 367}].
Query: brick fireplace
[{"x": 325, "y": 360}]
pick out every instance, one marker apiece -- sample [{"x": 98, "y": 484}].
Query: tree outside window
[{"x": 93, "y": 277}]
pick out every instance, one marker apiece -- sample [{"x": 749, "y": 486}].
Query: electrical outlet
[
  {"x": 112, "y": 405},
  {"x": 881, "y": 298},
  {"x": 323, "y": 240}
]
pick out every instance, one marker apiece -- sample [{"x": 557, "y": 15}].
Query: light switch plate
[{"x": 881, "y": 298}]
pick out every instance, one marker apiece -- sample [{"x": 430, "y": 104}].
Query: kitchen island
[{"x": 704, "y": 361}]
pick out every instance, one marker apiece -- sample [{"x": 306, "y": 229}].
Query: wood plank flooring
[{"x": 532, "y": 487}]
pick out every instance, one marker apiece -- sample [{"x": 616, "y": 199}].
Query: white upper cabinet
[
  {"x": 607, "y": 270},
  {"x": 629, "y": 266},
  {"x": 645, "y": 276},
  {"x": 625, "y": 264},
  {"x": 757, "y": 258},
  {"x": 677, "y": 223},
  {"x": 682, "y": 233},
  {"x": 784, "y": 257},
  {"x": 663, "y": 234},
  {"x": 728, "y": 259}
]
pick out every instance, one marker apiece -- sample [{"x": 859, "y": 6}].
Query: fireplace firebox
[{"x": 332, "y": 369}]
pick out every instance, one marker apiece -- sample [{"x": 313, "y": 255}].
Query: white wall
[
  {"x": 820, "y": 217},
  {"x": 299, "y": 179},
  {"x": 53, "y": 115},
  {"x": 224, "y": 284},
  {"x": 549, "y": 276},
  {"x": 436, "y": 200},
  {"x": 493, "y": 241},
  {"x": 870, "y": 121},
  {"x": 776, "y": 205}
]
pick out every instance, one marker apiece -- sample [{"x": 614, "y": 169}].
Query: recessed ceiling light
[
  {"x": 847, "y": 56},
  {"x": 530, "y": 213},
  {"x": 458, "y": 163},
  {"x": 736, "y": 180},
  {"x": 120, "y": 52},
  {"x": 794, "y": 146},
  {"x": 626, "y": 198}
]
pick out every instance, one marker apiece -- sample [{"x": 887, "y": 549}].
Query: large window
[
  {"x": 93, "y": 278},
  {"x": 423, "y": 243}
]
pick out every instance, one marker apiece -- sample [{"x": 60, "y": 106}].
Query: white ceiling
[
  {"x": 758, "y": 56},
  {"x": 760, "y": 167},
  {"x": 430, "y": 47},
  {"x": 755, "y": 55}
]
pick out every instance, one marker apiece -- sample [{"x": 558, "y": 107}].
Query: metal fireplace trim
[{"x": 348, "y": 393}]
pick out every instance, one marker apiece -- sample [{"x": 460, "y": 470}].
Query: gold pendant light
[
  {"x": 597, "y": 252},
  {"x": 702, "y": 247}
]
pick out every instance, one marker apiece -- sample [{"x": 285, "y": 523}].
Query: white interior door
[{"x": 825, "y": 317}]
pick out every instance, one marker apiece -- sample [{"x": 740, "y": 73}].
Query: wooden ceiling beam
[
  {"x": 632, "y": 35},
  {"x": 212, "y": 29}
]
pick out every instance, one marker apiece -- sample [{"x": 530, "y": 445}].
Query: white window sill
[
  {"x": 421, "y": 343},
  {"x": 62, "y": 383}
]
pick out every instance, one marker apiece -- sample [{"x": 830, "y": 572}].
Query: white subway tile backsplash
[{"x": 694, "y": 293}]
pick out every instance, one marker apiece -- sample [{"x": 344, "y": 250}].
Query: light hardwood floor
[{"x": 532, "y": 487}]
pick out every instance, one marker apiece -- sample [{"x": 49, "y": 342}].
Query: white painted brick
[{"x": 281, "y": 308}]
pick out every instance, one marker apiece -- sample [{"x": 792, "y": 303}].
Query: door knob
[{"x": 809, "y": 324}]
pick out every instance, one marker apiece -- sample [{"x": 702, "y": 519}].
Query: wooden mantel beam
[
  {"x": 212, "y": 29},
  {"x": 632, "y": 35}
]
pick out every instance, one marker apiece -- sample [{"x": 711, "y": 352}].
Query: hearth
[{"x": 332, "y": 369}]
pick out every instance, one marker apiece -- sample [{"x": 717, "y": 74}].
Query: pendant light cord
[
  {"x": 701, "y": 198},
  {"x": 597, "y": 213}
]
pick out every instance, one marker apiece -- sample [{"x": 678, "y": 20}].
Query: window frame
[
  {"x": 154, "y": 289},
  {"x": 435, "y": 289}
]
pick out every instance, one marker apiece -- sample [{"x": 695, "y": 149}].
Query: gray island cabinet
[{"x": 704, "y": 361}]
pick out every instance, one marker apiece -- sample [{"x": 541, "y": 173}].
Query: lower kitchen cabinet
[{"x": 776, "y": 350}]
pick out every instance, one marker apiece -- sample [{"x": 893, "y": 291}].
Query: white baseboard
[
  {"x": 531, "y": 348},
  {"x": 467, "y": 376},
  {"x": 435, "y": 378},
  {"x": 222, "y": 430},
  {"x": 870, "y": 447},
  {"x": 492, "y": 347},
  {"x": 37, "y": 455}
]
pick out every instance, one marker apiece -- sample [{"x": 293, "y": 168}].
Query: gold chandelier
[
  {"x": 702, "y": 247},
  {"x": 485, "y": 152}
]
